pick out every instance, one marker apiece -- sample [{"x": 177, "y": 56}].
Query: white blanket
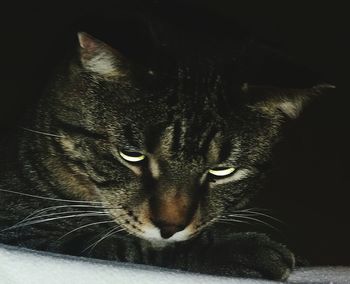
[{"x": 22, "y": 266}]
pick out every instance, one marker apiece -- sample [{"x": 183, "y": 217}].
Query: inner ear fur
[
  {"x": 290, "y": 102},
  {"x": 100, "y": 58}
]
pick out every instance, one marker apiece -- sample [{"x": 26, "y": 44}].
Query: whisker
[
  {"x": 82, "y": 227},
  {"x": 255, "y": 209},
  {"x": 50, "y": 198},
  {"x": 53, "y": 219},
  {"x": 256, "y": 220},
  {"x": 37, "y": 212},
  {"x": 62, "y": 213},
  {"x": 222, "y": 220},
  {"x": 261, "y": 214},
  {"x": 97, "y": 236},
  {"x": 114, "y": 230},
  {"x": 42, "y": 133}
]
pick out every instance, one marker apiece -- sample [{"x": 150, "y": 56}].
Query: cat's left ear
[
  {"x": 274, "y": 101},
  {"x": 99, "y": 58}
]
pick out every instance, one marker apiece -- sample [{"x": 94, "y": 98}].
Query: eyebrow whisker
[{"x": 42, "y": 133}]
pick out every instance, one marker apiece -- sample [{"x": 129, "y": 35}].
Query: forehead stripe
[
  {"x": 176, "y": 145},
  {"x": 208, "y": 139}
]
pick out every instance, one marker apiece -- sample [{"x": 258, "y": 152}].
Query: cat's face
[{"x": 168, "y": 152}]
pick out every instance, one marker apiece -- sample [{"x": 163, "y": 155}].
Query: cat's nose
[{"x": 167, "y": 230}]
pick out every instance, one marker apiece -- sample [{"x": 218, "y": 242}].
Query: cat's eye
[
  {"x": 221, "y": 172},
  {"x": 132, "y": 157}
]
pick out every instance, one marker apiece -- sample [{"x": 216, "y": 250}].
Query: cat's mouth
[
  {"x": 154, "y": 235},
  {"x": 139, "y": 223},
  {"x": 162, "y": 236}
]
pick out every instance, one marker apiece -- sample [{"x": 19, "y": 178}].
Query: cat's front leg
[{"x": 244, "y": 255}]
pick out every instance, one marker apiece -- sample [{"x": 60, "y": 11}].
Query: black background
[{"x": 310, "y": 188}]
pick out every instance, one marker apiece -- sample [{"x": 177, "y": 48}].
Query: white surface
[{"x": 21, "y": 266}]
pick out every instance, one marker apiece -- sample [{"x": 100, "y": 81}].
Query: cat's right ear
[
  {"x": 100, "y": 58},
  {"x": 274, "y": 101}
]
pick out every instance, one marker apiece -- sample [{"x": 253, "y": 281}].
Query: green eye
[
  {"x": 133, "y": 157},
  {"x": 221, "y": 172}
]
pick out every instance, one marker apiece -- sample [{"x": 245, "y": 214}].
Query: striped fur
[{"x": 162, "y": 210}]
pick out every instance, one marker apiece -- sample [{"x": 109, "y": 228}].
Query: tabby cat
[{"x": 151, "y": 164}]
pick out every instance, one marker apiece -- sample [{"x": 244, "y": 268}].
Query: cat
[{"x": 154, "y": 164}]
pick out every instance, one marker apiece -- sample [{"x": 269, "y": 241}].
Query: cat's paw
[
  {"x": 273, "y": 260},
  {"x": 252, "y": 255},
  {"x": 262, "y": 256}
]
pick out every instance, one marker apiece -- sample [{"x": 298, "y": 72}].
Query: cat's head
[{"x": 170, "y": 148}]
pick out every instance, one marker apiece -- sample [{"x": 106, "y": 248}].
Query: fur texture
[{"x": 75, "y": 192}]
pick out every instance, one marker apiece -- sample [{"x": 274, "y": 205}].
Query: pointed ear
[
  {"x": 274, "y": 101},
  {"x": 100, "y": 58}
]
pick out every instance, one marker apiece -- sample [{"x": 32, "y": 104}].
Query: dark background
[{"x": 310, "y": 187}]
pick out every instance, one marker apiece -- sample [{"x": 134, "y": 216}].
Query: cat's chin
[{"x": 160, "y": 244}]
